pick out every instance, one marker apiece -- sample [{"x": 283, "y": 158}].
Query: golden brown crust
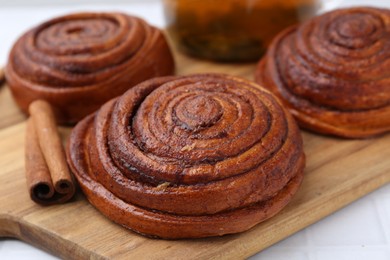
[
  {"x": 78, "y": 62},
  {"x": 332, "y": 72},
  {"x": 191, "y": 156}
]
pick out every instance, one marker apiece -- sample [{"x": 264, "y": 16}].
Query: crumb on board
[
  {"x": 188, "y": 148},
  {"x": 163, "y": 186}
]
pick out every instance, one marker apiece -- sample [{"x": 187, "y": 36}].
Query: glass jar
[{"x": 232, "y": 30}]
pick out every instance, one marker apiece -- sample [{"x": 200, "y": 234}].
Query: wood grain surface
[{"x": 338, "y": 172}]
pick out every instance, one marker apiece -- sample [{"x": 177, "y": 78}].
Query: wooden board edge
[{"x": 12, "y": 227}]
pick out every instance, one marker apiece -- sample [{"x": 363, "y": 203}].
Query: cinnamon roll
[
  {"x": 79, "y": 61},
  {"x": 187, "y": 157},
  {"x": 332, "y": 72}
]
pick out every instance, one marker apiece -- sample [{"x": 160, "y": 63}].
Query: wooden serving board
[{"x": 338, "y": 172}]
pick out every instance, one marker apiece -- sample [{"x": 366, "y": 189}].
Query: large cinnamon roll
[
  {"x": 78, "y": 62},
  {"x": 191, "y": 156},
  {"x": 332, "y": 72}
]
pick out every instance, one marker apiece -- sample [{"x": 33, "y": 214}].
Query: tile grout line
[
  {"x": 380, "y": 212},
  {"x": 310, "y": 245}
]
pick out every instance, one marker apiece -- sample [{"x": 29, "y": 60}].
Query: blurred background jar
[{"x": 232, "y": 30}]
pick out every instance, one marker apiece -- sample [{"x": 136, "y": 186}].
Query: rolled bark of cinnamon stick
[
  {"x": 2, "y": 76},
  {"x": 37, "y": 174},
  {"x": 47, "y": 172}
]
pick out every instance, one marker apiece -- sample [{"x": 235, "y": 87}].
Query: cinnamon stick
[
  {"x": 37, "y": 174},
  {"x": 48, "y": 175},
  {"x": 2, "y": 76}
]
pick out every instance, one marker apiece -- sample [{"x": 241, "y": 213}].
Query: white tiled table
[{"x": 359, "y": 231}]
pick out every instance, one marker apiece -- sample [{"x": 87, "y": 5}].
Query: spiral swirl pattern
[
  {"x": 78, "y": 62},
  {"x": 333, "y": 72},
  {"x": 190, "y": 156}
]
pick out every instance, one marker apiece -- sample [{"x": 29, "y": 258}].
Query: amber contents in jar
[{"x": 232, "y": 30}]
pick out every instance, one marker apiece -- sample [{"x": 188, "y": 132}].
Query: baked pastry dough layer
[
  {"x": 332, "y": 72},
  {"x": 79, "y": 61},
  {"x": 190, "y": 156}
]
